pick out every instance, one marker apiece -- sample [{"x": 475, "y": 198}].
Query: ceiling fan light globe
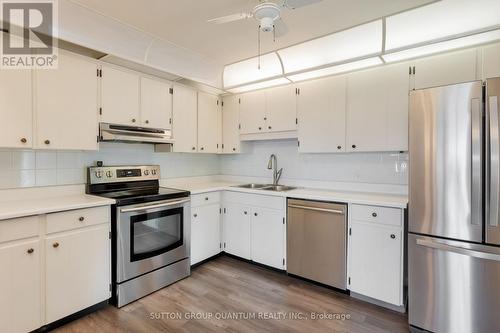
[{"x": 267, "y": 24}]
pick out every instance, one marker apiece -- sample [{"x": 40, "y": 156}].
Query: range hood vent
[{"x": 122, "y": 133}]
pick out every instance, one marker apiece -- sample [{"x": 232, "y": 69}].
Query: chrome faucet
[{"x": 273, "y": 164}]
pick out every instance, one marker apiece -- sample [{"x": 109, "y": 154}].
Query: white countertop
[
  {"x": 26, "y": 203},
  {"x": 353, "y": 197}
]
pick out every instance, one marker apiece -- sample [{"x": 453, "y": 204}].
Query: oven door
[{"x": 151, "y": 236}]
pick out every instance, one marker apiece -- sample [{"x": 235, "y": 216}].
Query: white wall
[
  {"x": 376, "y": 168},
  {"x": 27, "y": 168}
]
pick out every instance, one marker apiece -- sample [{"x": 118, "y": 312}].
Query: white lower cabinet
[
  {"x": 77, "y": 271},
  {"x": 267, "y": 237},
  {"x": 205, "y": 232},
  {"x": 375, "y": 256},
  {"x": 237, "y": 230}
]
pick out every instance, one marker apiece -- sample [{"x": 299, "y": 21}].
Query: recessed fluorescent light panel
[
  {"x": 439, "y": 20},
  {"x": 356, "y": 42},
  {"x": 336, "y": 69},
  {"x": 248, "y": 70},
  {"x": 485, "y": 37},
  {"x": 260, "y": 85}
]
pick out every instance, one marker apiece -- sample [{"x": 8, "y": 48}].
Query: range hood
[{"x": 122, "y": 133}]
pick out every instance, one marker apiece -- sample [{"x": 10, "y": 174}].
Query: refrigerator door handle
[
  {"x": 459, "y": 250},
  {"x": 494, "y": 165},
  {"x": 476, "y": 134}
]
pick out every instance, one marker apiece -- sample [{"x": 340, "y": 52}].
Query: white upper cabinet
[
  {"x": 156, "y": 103},
  {"x": 119, "y": 96},
  {"x": 445, "y": 69},
  {"x": 491, "y": 61},
  {"x": 377, "y": 109},
  {"x": 16, "y": 123},
  {"x": 66, "y": 104},
  {"x": 253, "y": 112},
  {"x": 230, "y": 121},
  {"x": 281, "y": 110},
  {"x": 321, "y": 108},
  {"x": 185, "y": 127},
  {"x": 208, "y": 117}
]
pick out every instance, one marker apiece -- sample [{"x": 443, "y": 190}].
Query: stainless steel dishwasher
[{"x": 316, "y": 241}]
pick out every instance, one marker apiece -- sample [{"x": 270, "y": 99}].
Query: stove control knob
[
  {"x": 98, "y": 174},
  {"x": 146, "y": 172},
  {"x": 153, "y": 172},
  {"x": 109, "y": 174}
]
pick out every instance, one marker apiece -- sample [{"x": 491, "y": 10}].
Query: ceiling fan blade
[
  {"x": 280, "y": 28},
  {"x": 294, "y": 4},
  {"x": 230, "y": 18}
]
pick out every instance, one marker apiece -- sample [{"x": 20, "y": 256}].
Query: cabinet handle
[
  {"x": 265, "y": 118},
  {"x": 55, "y": 245},
  {"x": 255, "y": 214},
  {"x": 339, "y": 147},
  {"x": 354, "y": 146},
  {"x": 269, "y": 127},
  {"x": 47, "y": 142},
  {"x": 206, "y": 198},
  {"x": 260, "y": 128},
  {"x": 81, "y": 218},
  {"x": 195, "y": 215},
  {"x": 245, "y": 213},
  {"x": 202, "y": 148},
  {"x": 234, "y": 149},
  {"x": 133, "y": 120},
  {"x": 147, "y": 121},
  {"x": 374, "y": 214},
  {"x": 30, "y": 251},
  {"x": 393, "y": 236},
  {"x": 23, "y": 140}
]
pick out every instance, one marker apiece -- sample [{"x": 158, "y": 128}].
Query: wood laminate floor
[{"x": 228, "y": 295}]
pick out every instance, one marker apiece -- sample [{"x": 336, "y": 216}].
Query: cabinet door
[
  {"x": 268, "y": 237},
  {"x": 375, "y": 261},
  {"x": 16, "y": 124},
  {"x": 66, "y": 105},
  {"x": 185, "y": 127},
  {"x": 281, "y": 110},
  {"x": 205, "y": 232},
  {"x": 119, "y": 96},
  {"x": 230, "y": 120},
  {"x": 253, "y": 112},
  {"x": 20, "y": 290},
  {"x": 491, "y": 61},
  {"x": 237, "y": 230},
  {"x": 208, "y": 107},
  {"x": 377, "y": 109},
  {"x": 321, "y": 111},
  {"x": 445, "y": 69},
  {"x": 156, "y": 103},
  {"x": 77, "y": 271}
]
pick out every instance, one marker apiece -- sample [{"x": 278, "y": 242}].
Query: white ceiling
[{"x": 183, "y": 22}]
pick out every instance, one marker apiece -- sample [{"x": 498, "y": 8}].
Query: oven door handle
[{"x": 165, "y": 204}]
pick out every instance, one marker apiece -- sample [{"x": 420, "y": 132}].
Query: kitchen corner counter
[
  {"x": 350, "y": 197},
  {"x": 43, "y": 205}
]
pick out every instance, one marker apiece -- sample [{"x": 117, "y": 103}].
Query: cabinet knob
[
  {"x": 354, "y": 146},
  {"x": 47, "y": 142},
  {"x": 269, "y": 127},
  {"x": 194, "y": 148},
  {"x": 195, "y": 215},
  {"x": 23, "y": 140},
  {"x": 260, "y": 128},
  {"x": 265, "y": 118},
  {"x": 133, "y": 120},
  {"x": 393, "y": 236},
  {"x": 30, "y": 250},
  {"x": 206, "y": 198},
  {"x": 255, "y": 214},
  {"x": 202, "y": 148},
  {"x": 147, "y": 121},
  {"x": 55, "y": 245},
  {"x": 245, "y": 213},
  {"x": 234, "y": 149},
  {"x": 81, "y": 219},
  {"x": 374, "y": 214},
  {"x": 339, "y": 147}
]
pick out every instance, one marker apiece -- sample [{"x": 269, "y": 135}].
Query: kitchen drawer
[
  {"x": 205, "y": 199},
  {"x": 256, "y": 200},
  {"x": 19, "y": 228},
  {"x": 383, "y": 215},
  {"x": 79, "y": 218}
]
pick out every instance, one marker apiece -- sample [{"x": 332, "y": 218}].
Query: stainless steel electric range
[{"x": 150, "y": 229}]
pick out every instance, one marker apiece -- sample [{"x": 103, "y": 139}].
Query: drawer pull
[
  {"x": 30, "y": 251},
  {"x": 374, "y": 214},
  {"x": 55, "y": 245},
  {"x": 81, "y": 219},
  {"x": 317, "y": 209}
]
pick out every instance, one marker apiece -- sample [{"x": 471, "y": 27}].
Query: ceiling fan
[{"x": 268, "y": 14}]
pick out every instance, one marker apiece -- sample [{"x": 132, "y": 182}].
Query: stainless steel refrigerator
[{"x": 454, "y": 231}]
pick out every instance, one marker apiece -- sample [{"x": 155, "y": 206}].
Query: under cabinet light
[
  {"x": 260, "y": 85},
  {"x": 351, "y": 66},
  {"x": 454, "y": 44}
]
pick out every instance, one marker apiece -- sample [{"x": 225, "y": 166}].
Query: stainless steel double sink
[{"x": 267, "y": 187}]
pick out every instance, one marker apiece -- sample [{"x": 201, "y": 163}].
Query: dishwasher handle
[{"x": 317, "y": 209}]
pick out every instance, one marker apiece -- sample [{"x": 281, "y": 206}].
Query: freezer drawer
[{"x": 453, "y": 286}]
